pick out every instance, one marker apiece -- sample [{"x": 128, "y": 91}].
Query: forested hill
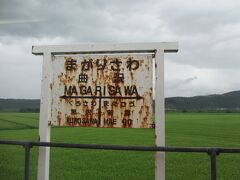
[
  {"x": 227, "y": 101},
  {"x": 21, "y": 105}
]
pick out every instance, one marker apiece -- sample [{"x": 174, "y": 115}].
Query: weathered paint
[
  {"x": 102, "y": 90},
  {"x": 158, "y": 49}
]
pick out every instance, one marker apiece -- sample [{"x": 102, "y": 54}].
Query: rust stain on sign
[{"x": 102, "y": 90}]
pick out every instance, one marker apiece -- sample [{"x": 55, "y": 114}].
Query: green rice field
[{"x": 182, "y": 129}]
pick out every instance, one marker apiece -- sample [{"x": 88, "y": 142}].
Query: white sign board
[
  {"x": 102, "y": 90},
  {"x": 102, "y": 85}
]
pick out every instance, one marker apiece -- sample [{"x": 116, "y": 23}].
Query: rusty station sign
[
  {"x": 102, "y": 85},
  {"x": 93, "y": 90}
]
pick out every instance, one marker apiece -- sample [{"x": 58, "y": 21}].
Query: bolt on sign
[{"x": 102, "y": 90}]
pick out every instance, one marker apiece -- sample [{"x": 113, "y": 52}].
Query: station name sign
[{"x": 102, "y": 90}]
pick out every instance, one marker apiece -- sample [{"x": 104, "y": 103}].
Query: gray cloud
[
  {"x": 208, "y": 32},
  {"x": 83, "y": 20},
  {"x": 181, "y": 82},
  {"x": 188, "y": 80}
]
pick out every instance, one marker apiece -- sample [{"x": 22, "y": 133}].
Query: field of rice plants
[{"x": 182, "y": 129}]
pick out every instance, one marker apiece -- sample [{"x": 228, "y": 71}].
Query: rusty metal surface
[{"x": 102, "y": 90}]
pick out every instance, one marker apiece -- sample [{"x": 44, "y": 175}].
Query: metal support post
[
  {"x": 27, "y": 147},
  {"x": 213, "y": 155}
]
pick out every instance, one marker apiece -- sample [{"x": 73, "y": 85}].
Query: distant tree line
[
  {"x": 20, "y": 105},
  {"x": 29, "y": 110},
  {"x": 228, "y": 102}
]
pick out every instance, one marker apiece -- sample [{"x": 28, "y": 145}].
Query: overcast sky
[{"x": 208, "y": 33}]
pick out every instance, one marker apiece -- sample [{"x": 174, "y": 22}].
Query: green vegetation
[
  {"x": 182, "y": 129},
  {"x": 19, "y": 105},
  {"x": 228, "y": 102}
]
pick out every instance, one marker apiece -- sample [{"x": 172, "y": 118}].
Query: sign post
[{"x": 102, "y": 85}]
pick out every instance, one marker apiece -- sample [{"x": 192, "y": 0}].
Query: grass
[
  {"x": 182, "y": 129},
  {"x": 202, "y": 130},
  {"x": 11, "y": 121}
]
